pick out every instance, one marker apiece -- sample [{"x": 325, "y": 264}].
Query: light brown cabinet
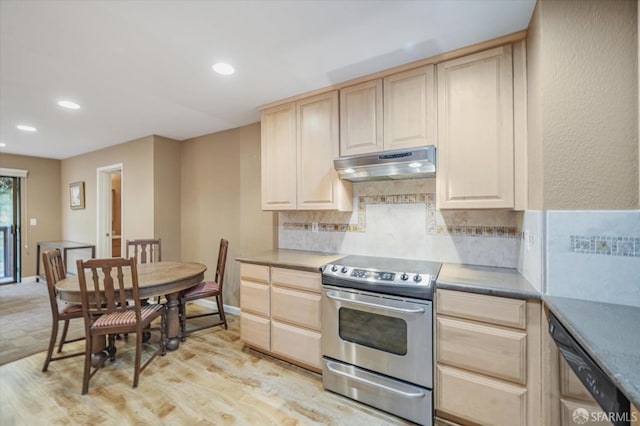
[
  {"x": 280, "y": 313},
  {"x": 361, "y": 120},
  {"x": 394, "y": 112},
  {"x": 487, "y": 359},
  {"x": 410, "y": 109},
  {"x": 299, "y": 143},
  {"x": 479, "y": 134},
  {"x": 255, "y": 306}
]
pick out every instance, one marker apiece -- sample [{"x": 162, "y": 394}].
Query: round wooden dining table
[{"x": 166, "y": 279}]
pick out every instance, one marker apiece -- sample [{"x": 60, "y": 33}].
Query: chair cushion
[
  {"x": 127, "y": 317},
  {"x": 71, "y": 309},
  {"x": 203, "y": 289}
]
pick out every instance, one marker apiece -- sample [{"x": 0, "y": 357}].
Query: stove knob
[
  {"x": 344, "y": 270},
  {"x": 417, "y": 278},
  {"x": 334, "y": 268},
  {"x": 404, "y": 277}
]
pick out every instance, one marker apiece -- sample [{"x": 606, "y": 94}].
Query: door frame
[{"x": 103, "y": 210}]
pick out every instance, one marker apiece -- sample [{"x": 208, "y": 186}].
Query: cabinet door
[
  {"x": 319, "y": 187},
  {"x": 361, "y": 118},
  {"x": 479, "y": 399},
  {"x": 296, "y": 307},
  {"x": 254, "y": 330},
  {"x": 278, "y": 129},
  {"x": 296, "y": 344},
  {"x": 410, "y": 109},
  {"x": 475, "y": 131}
]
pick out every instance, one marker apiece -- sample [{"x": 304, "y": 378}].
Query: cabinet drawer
[
  {"x": 479, "y": 399},
  {"x": 254, "y": 297},
  {"x": 259, "y": 273},
  {"x": 297, "y": 344},
  {"x": 491, "y": 309},
  {"x": 494, "y": 351},
  {"x": 254, "y": 330},
  {"x": 296, "y": 307},
  {"x": 303, "y": 280}
]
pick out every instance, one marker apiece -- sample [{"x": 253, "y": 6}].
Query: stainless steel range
[{"x": 377, "y": 333}]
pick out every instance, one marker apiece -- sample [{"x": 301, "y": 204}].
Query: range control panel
[{"x": 402, "y": 278}]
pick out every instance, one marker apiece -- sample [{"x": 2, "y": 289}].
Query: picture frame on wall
[{"x": 76, "y": 195}]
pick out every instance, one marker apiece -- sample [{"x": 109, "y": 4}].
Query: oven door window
[{"x": 385, "y": 333}]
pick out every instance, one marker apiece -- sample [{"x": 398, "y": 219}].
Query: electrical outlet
[
  {"x": 314, "y": 226},
  {"x": 529, "y": 240},
  {"x": 33, "y": 221}
]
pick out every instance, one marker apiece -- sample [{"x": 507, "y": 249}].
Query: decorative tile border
[
  {"x": 609, "y": 246},
  {"x": 433, "y": 228}
]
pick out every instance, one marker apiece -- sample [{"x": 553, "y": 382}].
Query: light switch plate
[{"x": 33, "y": 221}]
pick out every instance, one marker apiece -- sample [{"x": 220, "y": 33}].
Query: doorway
[
  {"x": 110, "y": 211},
  {"x": 9, "y": 229}
]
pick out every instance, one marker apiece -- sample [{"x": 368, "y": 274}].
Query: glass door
[{"x": 9, "y": 229}]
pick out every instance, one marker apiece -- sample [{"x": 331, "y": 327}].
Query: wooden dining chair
[
  {"x": 54, "y": 271},
  {"x": 205, "y": 290},
  {"x": 104, "y": 293},
  {"x": 145, "y": 251}
]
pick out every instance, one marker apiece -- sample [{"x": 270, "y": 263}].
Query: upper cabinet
[
  {"x": 361, "y": 118},
  {"x": 410, "y": 109},
  {"x": 476, "y": 142},
  {"x": 279, "y": 162},
  {"x": 405, "y": 117},
  {"x": 299, "y": 143}
]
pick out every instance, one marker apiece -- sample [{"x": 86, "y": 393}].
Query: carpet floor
[{"x": 25, "y": 321}]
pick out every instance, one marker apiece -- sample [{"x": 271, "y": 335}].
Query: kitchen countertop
[
  {"x": 506, "y": 282},
  {"x": 292, "y": 259},
  {"x": 609, "y": 334}
]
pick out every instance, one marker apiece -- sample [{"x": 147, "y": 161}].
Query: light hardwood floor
[{"x": 210, "y": 379}]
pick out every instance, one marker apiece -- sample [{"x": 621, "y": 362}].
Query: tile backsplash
[
  {"x": 594, "y": 255},
  {"x": 399, "y": 219}
]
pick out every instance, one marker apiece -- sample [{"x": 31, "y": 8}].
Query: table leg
[{"x": 173, "y": 321}]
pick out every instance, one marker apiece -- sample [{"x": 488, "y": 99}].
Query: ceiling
[{"x": 144, "y": 67}]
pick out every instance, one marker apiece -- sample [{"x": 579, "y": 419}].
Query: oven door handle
[
  {"x": 333, "y": 295},
  {"x": 412, "y": 395}
]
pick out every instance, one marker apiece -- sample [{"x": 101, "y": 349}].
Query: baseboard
[{"x": 228, "y": 309}]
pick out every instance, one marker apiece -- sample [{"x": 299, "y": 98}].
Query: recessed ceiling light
[
  {"x": 26, "y": 128},
  {"x": 223, "y": 68},
  {"x": 69, "y": 104},
  {"x": 2, "y": 145}
]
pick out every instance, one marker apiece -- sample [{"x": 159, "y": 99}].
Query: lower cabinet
[
  {"x": 280, "y": 313},
  {"x": 487, "y": 359}
]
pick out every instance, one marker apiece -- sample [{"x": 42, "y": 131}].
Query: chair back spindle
[
  {"x": 111, "y": 284},
  {"x": 145, "y": 250}
]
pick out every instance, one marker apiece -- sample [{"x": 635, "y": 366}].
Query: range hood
[{"x": 413, "y": 163}]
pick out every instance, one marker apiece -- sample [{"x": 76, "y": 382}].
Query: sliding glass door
[{"x": 9, "y": 229}]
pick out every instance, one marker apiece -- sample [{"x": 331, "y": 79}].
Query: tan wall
[
  {"x": 534, "y": 112},
  {"x": 137, "y": 190},
  {"x": 221, "y": 199},
  {"x": 583, "y": 105},
  {"x": 166, "y": 182},
  {"x": 40, "y": 200}
]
